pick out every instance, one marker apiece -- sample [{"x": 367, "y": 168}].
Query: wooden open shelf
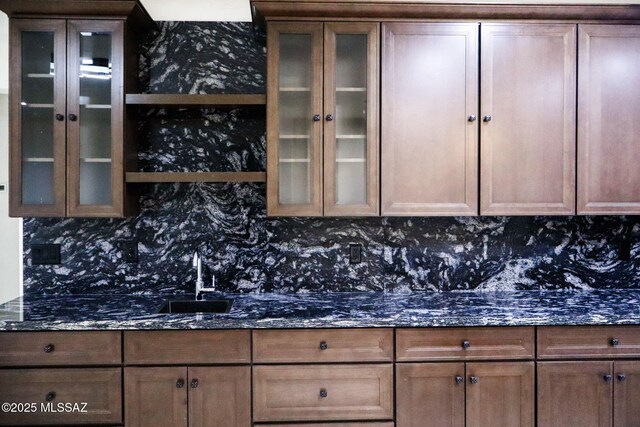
[
  {"x": 185, "y": 100},
  {"x": 156, "y": 177}
]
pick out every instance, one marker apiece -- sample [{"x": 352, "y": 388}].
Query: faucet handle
[{"x": 196, "y": 258}]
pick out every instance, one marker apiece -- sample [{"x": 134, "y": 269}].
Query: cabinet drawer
[
  {"x": 322, "y": 393},
  {"x": 464, "y": 344},
  {"x": 323, "y": 345},
  {"x": 560, "y": 342},
  {"x": 60, "y": 348},
  {"x": 186, "y": 347},
  {"x": 100, "y": 389}
]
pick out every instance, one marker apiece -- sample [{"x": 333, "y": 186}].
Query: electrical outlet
[
  {"x": 625, "y": 250},
  {"x": 45, "y": 254},
  {"x": 129, "y": 252},
  {"x": 3, "y": 187},
  {"x": 355, "y": 253}
]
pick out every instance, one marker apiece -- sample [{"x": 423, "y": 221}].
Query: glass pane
[
  {"x": 351, "y": 119},
  {"x": 95, "y": 118},
  {"x": 37, "y": 117},
  {"x": 295, "y": 118}
]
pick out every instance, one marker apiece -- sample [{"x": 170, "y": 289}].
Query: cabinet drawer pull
[
  {"x": 472, "y": 118},
  {"x": 316, "y": 118},
  {"x": 324, "y": 345},
  {"x": 73, "y": 117},
  {"x": 180, "y": 383},
  {"x": 329, "y": 117},
  {"x": 194, "y": 383},
  {"x": 49, "y": 348},
  {"x": 323, "y": 392},
  {"x": 60, "y": 117},
  {"x": 607, "y": 378},
  {"x": 466, "y": 344},
  {"x": 487, "y": 119},
  {"x": 473, "y": 380},
  {"x": 622, "y": 377},
  {"x": 50, "y": 396},
  {"x": 459, "y": 379},
  {"x": 614, "y": 342}
]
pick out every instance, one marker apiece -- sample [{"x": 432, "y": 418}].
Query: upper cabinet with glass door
[
  {"x": 322, "y": 119},
  {"x": 67, "y": 121}
]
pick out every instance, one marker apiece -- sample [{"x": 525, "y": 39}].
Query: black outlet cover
[
  {"x": 355, "y": 254},
  {"x": 129, "y": 252},
  {"x": 45, "y": 254},
  {"x": 625, "y": 250}
]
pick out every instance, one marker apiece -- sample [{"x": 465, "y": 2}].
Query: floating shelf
[
  {"x": 38, "y": 105},
  {"x": 96, "y": 160},
  {"x": 184, "y": 100},
  {"x": 351, "y": 89},
  {"x": 351, "y": 160},
  {"x": 96, "y": 106},
  {"x": 39, "y": 76},
  {"x": 151, "y": 177},
  {"x": 295, "y": 89},
  {"x": 38, "y": 159}
]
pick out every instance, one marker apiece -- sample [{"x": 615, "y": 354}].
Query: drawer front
[
  {"x": 566, "y": 342},
  {"x": 60, "y": 348},
  {"x": 186, "y": 347},
  {"x": 323, "y": 345},
  {"x": 87, "y": 396},
  {"x": 323, "y": 393},
  {"x": 465, "y": 344}
]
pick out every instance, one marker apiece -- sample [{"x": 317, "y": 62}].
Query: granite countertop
[{"x": 316, "y": 310}]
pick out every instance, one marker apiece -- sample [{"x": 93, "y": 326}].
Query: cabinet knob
[
  {"x": 622, "y": 377},
  {"x": 324, "y": 345},
  {"x": 50, "y": 396},
  {"x": 607, "y": 378},
  {"x": 466, "y": 344},
  {"x": 459, "y": 379},
  {"x": 329, "y": 117},
  {"x": 49, "y": 348},
  {"x": 614, "y": 342},
  {"x": 323, "y": 392},
  {"x": 60, "y": 117},
  {"x": 486, "y": 119},
  {"x": 473, "y": 380},
  {"x": 316, "y": 118},
  {"x": 472, "y": 118},
  {"x": 194, "y": 383},
  {"x": 73, "y": 117},
  {"x": 180, "y": 383}
]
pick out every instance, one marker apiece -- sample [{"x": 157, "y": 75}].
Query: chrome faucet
[{"x": 200, "y": 288}]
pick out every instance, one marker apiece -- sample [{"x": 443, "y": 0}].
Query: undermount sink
[{"x": 191, "y": 306}]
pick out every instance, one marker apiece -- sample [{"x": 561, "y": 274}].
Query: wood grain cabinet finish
[
  {"x": 575, "y": 394},
  {"x": 528, "y": 129},
  {"x": 323, "y": 345},
  {"x": 384, "y": 424},
  {"x": 626, "y": 395},
  {"x": 430, "y": 395},
  {"x": 582, "y": 342},
  {"x": 429, "y": 122},
  {"x": 500, "y": 394},
  {"x": 186, "y": 347},
  {"x": 464, "y": 343},
  {"x": 323, "y": 393},
  {"x": 608, "y": 107},
  {"x": 100, "y": 389},
  {"x": 60, "y": 348}
]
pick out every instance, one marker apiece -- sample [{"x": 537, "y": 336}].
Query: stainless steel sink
[{"x": 191, "y": 306}]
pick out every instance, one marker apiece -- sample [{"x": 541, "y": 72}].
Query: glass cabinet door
[
  {"x": 351, "y": 119},
  {"x": 94, "y": 113},
  {"x": 38, "y": 118},
  {"x": 294, "y": 121}
]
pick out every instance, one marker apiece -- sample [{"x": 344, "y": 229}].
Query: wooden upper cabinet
[
  {"x": 294, "y": 119},
  {"x": 351, "y": 128},
  {"x": 500, "y": 394},
  {"x": 626, "y": 409},
  {"x": 429, "y": 119},
  {"x": 528, "y": 129},
  {"x": 608, "y": 111},
  {"x": 574, "y": 394}
]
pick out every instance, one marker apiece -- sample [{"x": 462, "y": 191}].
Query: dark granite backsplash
[{"x": 250, "y": 253}]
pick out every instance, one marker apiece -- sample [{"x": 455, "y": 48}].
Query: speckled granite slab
[{"x": 338, "y": 310}]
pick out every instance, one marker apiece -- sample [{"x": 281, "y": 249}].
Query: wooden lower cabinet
[
  {"x": 195, "y": 396},
  {"x": 626, "y": 395},
  {"x": 574, "y": 394}
]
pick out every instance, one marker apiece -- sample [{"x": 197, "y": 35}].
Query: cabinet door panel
[
  {"x": 428, "y": 395},
  {"x": 502, "y": 394},
  {"x": 529, "y": 93},
  {"x": 351, "y": 119},
  {"x": 152, "y": 397},
  {"x": 294, "y": 133},
  {"x": 626, "y": 410},
  {"x": 95, "y": 131},
  {"x": 37, "y": 147},
  {"x": 608, "y": 128},
  {"x": 574, "y": 394},
  {"x": 220, "y": 397},
  {"x": 429, "y": 145}
]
